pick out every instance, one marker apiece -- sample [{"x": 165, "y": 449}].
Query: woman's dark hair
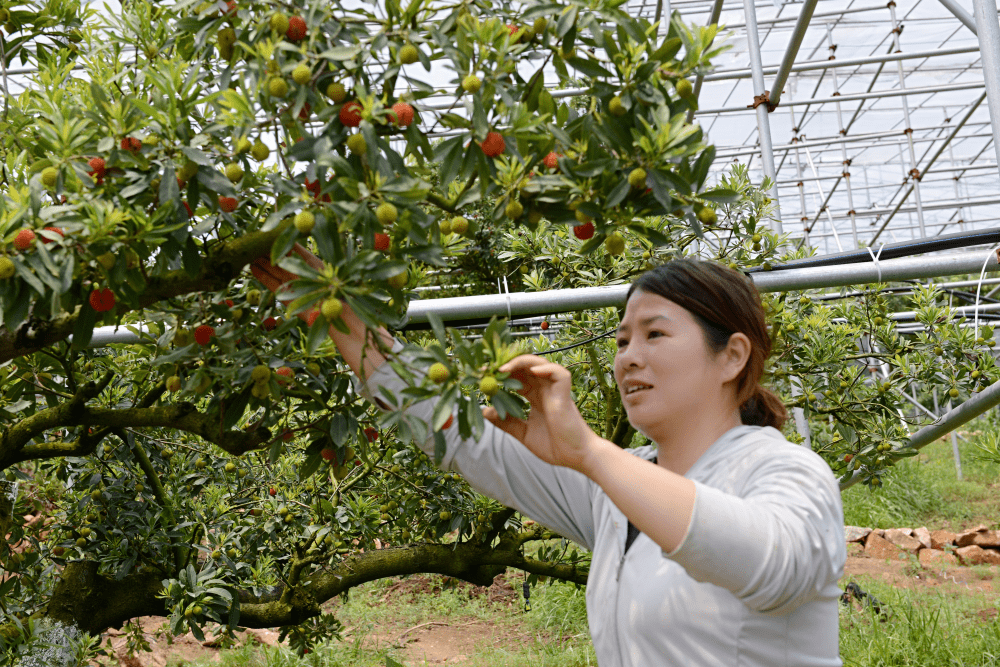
[{"x": 723, "y": 302}]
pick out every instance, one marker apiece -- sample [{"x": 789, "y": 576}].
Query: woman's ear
[{"x": 735, "y": 356}]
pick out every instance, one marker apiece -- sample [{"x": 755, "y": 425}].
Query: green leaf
[
  {"x": 440, "y": 447},
  {"x": 720, "y": 196},
  {"x": 589, "y": 67},
  {"x": 438, "y": 327},
  {"x": 83, "y": 328}
]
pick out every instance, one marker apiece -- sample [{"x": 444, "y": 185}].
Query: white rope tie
[
  {"x": 878, "y": 267},
  {"x": 506, "y": 292},
  {"x": 979, "y": 287}
]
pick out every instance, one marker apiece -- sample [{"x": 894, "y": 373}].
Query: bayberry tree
[{"x": 224, "y": 469}]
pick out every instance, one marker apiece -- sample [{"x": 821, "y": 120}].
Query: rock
[
  {"x": 942, "y": 538},
  {"x": 969, "y": 536},
  {"x": 855, "y": 533},
  {"x": 901, "y": 539},
  {"x": 929, "y": 557},
  {"x": 855, "y": 550},
  {"x": 990, "y": 538},
  {"x": 976, "y": 555},
  {"x": 879, "y": 547},
  {"x": 924, "y": 536}
]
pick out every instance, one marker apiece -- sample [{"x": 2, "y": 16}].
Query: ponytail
[{"x": 763, "y": 408}]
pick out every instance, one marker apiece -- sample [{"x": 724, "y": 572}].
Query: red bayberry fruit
[
  {"x": 228, "y": 204},
  {"x": 231, "y": 7},
  {"x": 102, "y": 300},
  {"x": 545, "y": 325},
  {"x": 287, "y": 435},
  {"x": 131, "y": 144},
  {"x": 371, "y": 434},
  {"x": 327, "y": 454},
  {"x": 584, "y": 231},
  {"x": 97, "y": 167},
  {"x": 271, "y": 492},
  {"x": 493, "y": 145},
  {"x": 402, "y": 113},
  {"x": 95, "y": 300},
  {"x": 269, "y": 324},
  {"x": 54, "y": 230},
  {"x": 447, "y": 424},
  {"x": 296, "y": 28},
  {"x": 382, "y": 242},
  {"x": 230, "y": 303},
  {"x": 203, "y": 334},
  {"x": 284, "y": 375},
  {"x": 188, "y": 207},
  {"x": 313, "y": 187},
  {"x": 551, "y": 160},
  {"x": 24, "y": 239},
  {"x": 350, "y": 114},
  {"x": 512, "y": 28},
  {"x": 304, "y": 113}
]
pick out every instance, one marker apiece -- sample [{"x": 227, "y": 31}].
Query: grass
[
  {"x": 924, "y": 491},
  {"x": 926, "y": 627}
]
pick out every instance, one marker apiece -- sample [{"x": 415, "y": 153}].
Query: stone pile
[{"x": 979, "y": 546}]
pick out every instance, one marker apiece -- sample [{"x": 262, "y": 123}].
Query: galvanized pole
[
  {"x": 988, "y": 30},
  {"x": 760, "y": 103},
  {"x": 843, "y": 149},
  {"x": 961, "y": 14},
  {"x": 794, "y": 42}
]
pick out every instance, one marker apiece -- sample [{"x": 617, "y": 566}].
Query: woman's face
[{"x": 661, "y": 345}]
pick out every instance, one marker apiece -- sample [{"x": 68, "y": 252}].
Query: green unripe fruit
[
  {"x": 232, "y": 553},
  {"x": 540, "y": 24},
  {"x": 332, "y": 308},
  {"x": 684, "y": 88},
  {"x": 216, "y": 555},
  {"x": 234, "y": 172},
  {"x": 289, "y": 518},
  {"x": 582, "y": 217},
  {"x": 489, "y": 386},
  {"x": 227, "y": 37},
  {"x": 261, "y": 391},
  {"x": 6, "y": 268},
  {"x": 49, "y": 177},
  {"x": 514, "y": 210},
  {"x": 615, "y": 244},
  {"x": 756, "y": 238},
  {"x": 301, "y": 74},
  {"x": 277, "y": 87},
  {"x": 409, "y": 54},
  {"x": 304, "y": 221},
  {"x": 260, "y": 151},
  {"x": 616, "y": 107},
  {"x": 568, "y": 54},
  {"x": 336, "y": 92},
  {"x": 637, "y": 178},
  {"x": 471, "y": 83},
  {"x": 81, "y": 542},
  {"x": 953, "y": 392},
  {"x": 459, "y": 225},
  {"x": 439, "y": 373},
  {"x": 386, "y": 214},
  {"x": 253, "y": 297},
  {"x": 445, "y": 515},
  {"x": 174, "y": 383},
  {"x": 707, "y": 216},
  {"x": 95, "y": 495},
  {"x": 279, "y": 23},
  {"x": 243, "y": 145},
  {"x": 230, "y": 467},
  {"x": 356, "y": 144},
  {"x": 399, "y": 280},
  {"x": 200, "y": 464},
  {"x": 445, "y": 226},
  {"x": 197, "y": 610}
]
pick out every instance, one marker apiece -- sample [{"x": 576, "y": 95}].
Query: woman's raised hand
[
  {"x": 555, "y": 431},
  {"x": 273, "y": 277}
]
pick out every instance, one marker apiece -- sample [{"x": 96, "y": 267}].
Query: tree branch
[{"x": 222, "y": 265}]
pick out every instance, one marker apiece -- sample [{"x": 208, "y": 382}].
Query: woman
[{"x": 722, "y": 543}]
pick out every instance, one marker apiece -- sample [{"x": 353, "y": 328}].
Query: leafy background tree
[{"x": 224, "y": 470}]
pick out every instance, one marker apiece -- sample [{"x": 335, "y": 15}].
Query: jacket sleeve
[
  {"x": 776, "y": 545},
  {"x": 501, "y": 467}
]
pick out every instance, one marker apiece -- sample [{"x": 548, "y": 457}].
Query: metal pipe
[
  {"x": 928, "y": 90},
  {"x": 794, "y": 42},
  {"x": 988, "y": 30},
  {"x": 964, "y": 413},
  {"x": 947, "y": 142},
  {"x": 814, "y": 65},
  {"x": 932, "y": 206},
  {"x": 470, "y": 309},
  {"x": 760, "y": 102},
  {"x": 906, "y": 119},
  {"x": 961, "y": 15}
]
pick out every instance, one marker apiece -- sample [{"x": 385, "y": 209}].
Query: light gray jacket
[{"x": 753, "y": 583}]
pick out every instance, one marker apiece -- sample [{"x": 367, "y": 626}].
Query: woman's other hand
[
  {"x": 273, "y": 277},
  {"x": 555, "y": 431}
]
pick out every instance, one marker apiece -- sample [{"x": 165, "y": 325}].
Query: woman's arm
[{"x": 359, "y": 351}]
